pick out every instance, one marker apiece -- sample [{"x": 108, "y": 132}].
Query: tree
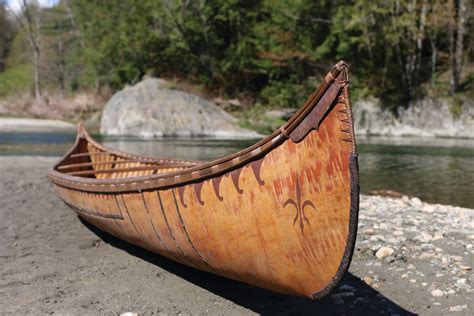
[
  {"x": 59, "y": 38},
  {"x": 457, "y": 46},
  {"x": 29, "y": 20},
  {"x": 6, "y": 35}
]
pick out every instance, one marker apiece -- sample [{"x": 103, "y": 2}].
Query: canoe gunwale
[{"x": 197, "y": 171}]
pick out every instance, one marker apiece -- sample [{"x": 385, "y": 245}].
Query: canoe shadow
[{"x": 354, "y": 297}]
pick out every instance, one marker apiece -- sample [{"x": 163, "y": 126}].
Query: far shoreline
[
  {"x": 26, "y": 124},
  {"x": 14, "y": 124}
]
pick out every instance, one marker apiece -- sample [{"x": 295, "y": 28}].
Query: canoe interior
[
  {"x": 281, "y": 214},
  {"x": 91, "y": 160}
]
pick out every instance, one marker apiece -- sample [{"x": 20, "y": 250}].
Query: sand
[{"x": 51, "y": 262}]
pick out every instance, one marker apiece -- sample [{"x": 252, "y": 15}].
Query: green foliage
[
  {"x": 265, "y": 51},
  {"x": 15, "y": 80}
]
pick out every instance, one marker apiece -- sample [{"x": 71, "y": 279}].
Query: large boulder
[
  {"x": 424, "y": 117},
  {"x": 150, "y": 108}
]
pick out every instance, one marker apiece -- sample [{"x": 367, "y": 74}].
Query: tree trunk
[
  {"x": 458, "y": 47},
  {"x": 37, "y": 57},
  {"x": 36, "y": 62},
  {"x": 61, "y": 67},
  {"x": 72, "y": 20},
  {"x": 32, "y": 29},
  {"x": 434, "y": 57},
  {"x": 419, "y": 40}
]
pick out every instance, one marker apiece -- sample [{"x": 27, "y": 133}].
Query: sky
[{"x": 15, "y": 4}]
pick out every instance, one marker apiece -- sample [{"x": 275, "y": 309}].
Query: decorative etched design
[
  {"x": 300, "y": 213},
  {"x": 256, "y": 165},
  {"x": 181, "y": 195},
  {"x": 216, "y": 184},
  {"x": 216, "y": 181},
  {"x": 197, "y": 190},
  {"x": 235, "y": 179}
]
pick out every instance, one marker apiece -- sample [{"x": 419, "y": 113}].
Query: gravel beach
[{"x": 411, "y": 258}]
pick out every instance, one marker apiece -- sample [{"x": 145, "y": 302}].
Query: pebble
[
  {"x": 457, "y": 308},
  {"x": 416, "y": 202},
  {"x": 461, "y": 281},
  {"x": 347, "y": 287},
  {"x": 368, "y": 280},
  {"x": 360, "y": 300},
  {"x": 456, "y": 258},
  {"x": 438, "y": 236},
  {"x": 338, "y": 298},
  {"x": 384, "y": 252},
  {"x": 369, "y": 231},
  {"x": 425, "y": 256},
  {"x": 437, "y": 293}
]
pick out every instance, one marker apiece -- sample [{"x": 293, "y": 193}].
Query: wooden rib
[
  {"x": 131, "y": 220},
  {"x": 129, "y": 169},
  {"x": 98, "y": 153},
  {"x": 88, "y": 164},
  {"x": 171, "y": 232},
  {"x": 116, "y": 162},
  {"x": 125, "y": 156},
  {"x": 187, "y": 234},
  {"x": 153, "y": 225}
]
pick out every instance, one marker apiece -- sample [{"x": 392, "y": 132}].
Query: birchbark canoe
[{"x": 281, "y": 214}]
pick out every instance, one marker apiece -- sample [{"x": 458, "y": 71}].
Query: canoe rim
[{"x": 196, "y": 171}]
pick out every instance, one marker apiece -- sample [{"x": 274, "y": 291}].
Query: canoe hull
[{"x": 285, "y": 221}]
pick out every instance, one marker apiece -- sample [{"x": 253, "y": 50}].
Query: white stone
[
  {"x": 384, "y": 252},
  {"x": 437, "y": 293},
  {"x": 456, "y": 308},
  {"x": 461, "y": 281},
  {"x": 416, "y": 202}
]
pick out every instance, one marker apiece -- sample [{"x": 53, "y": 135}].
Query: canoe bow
[{"x": 281, "y": 214}]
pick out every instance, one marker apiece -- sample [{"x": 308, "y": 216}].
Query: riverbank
[
  {"x": 127, "y": 114},
  {"x": 11, "y": 124},
  {"x": 410, "y": 257}
]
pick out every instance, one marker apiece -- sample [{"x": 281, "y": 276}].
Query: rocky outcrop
[
  {"x": 424, "y": 117},
  {"x": 150, "y": 108}
]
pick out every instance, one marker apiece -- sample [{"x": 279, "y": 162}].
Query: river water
[{"x": 435, "y": 170}]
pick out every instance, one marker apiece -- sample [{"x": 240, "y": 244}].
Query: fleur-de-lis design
[{"x": 300, "y": 213}]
